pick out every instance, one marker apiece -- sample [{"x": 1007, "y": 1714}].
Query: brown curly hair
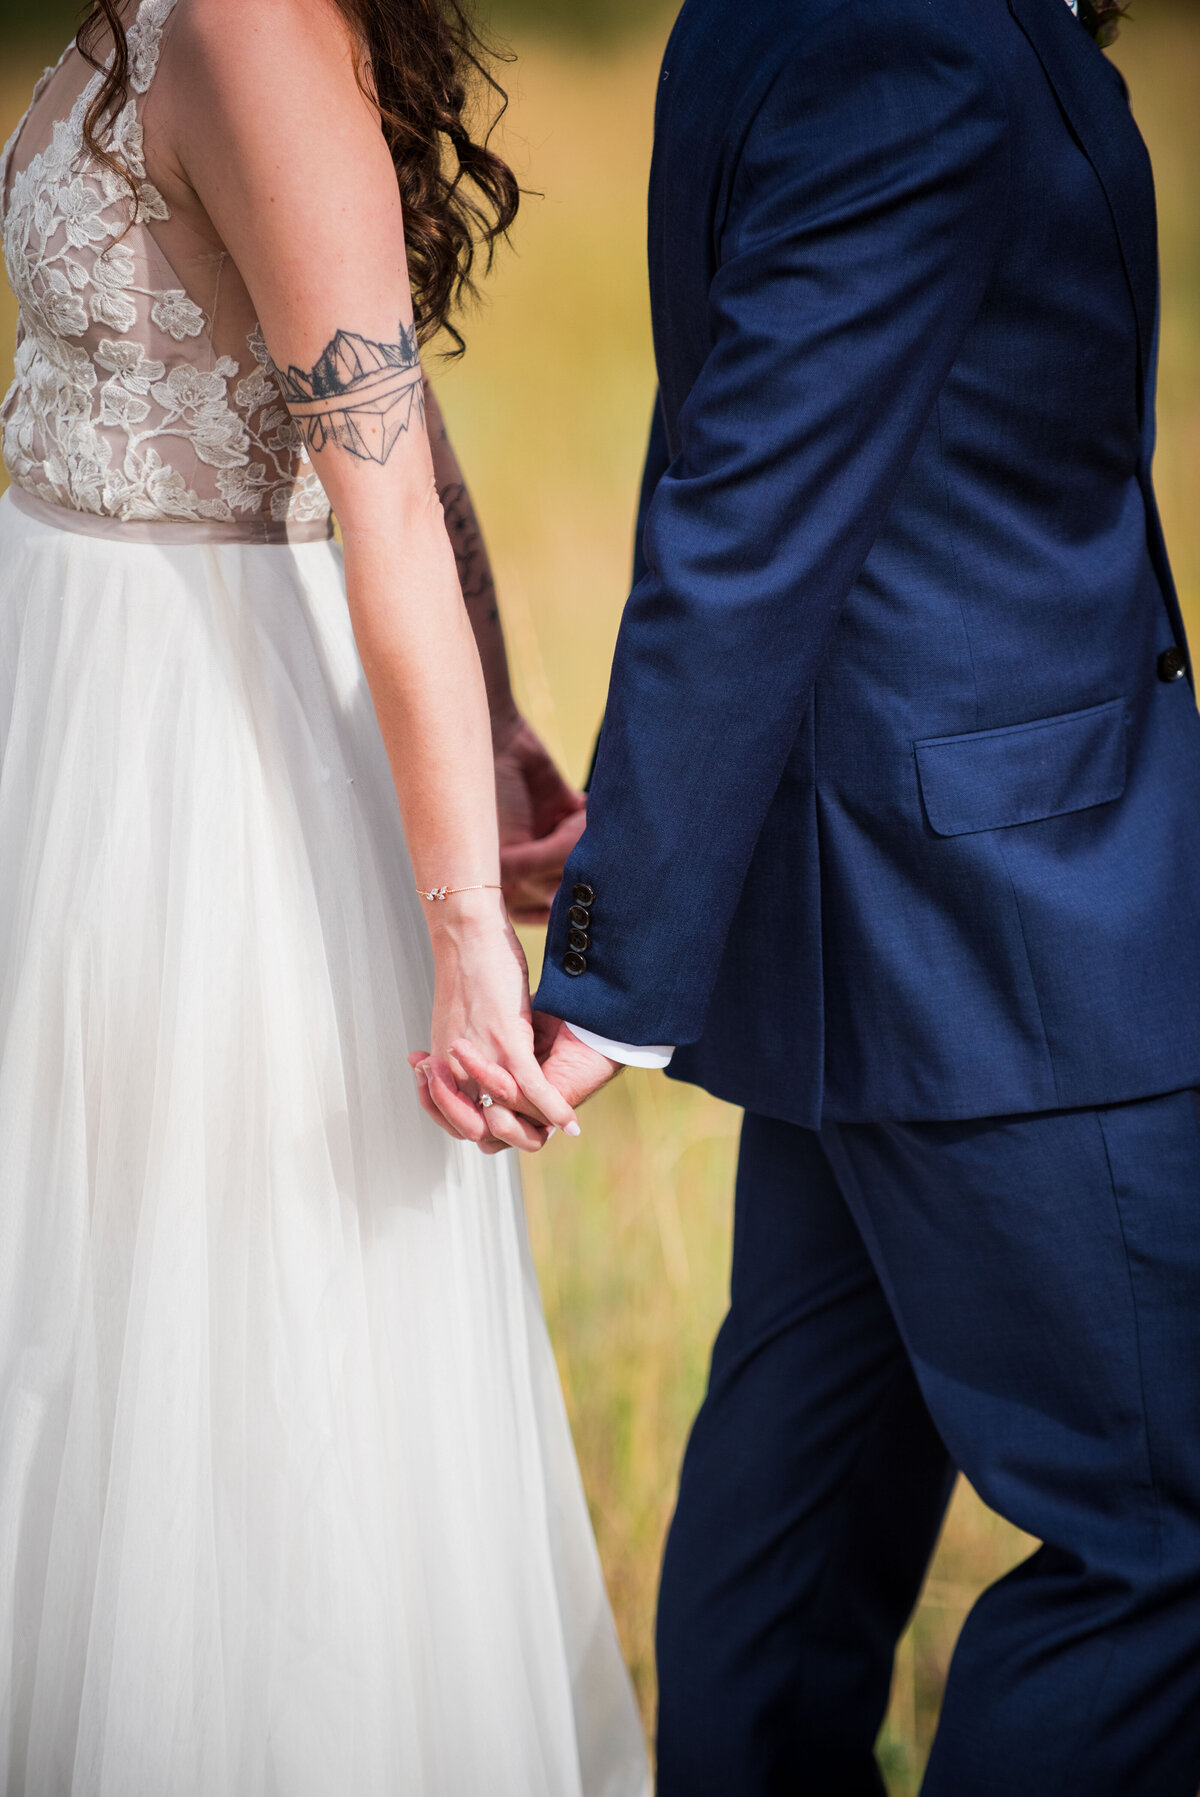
[
  {"x": 421, "y": 64},
  {"x": 1102, "y": 18}
]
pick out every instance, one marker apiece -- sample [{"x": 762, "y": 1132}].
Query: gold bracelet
[{"x": 444, "y": 892}]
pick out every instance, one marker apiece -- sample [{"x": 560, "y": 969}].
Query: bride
[{"x": 288, "y": 1504}]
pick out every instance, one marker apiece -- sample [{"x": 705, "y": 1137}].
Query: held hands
[
  {"x": 485, "y": 1041},
  {"x": 576, "y": 1070},
  {"x": 573, "y": 1069}
]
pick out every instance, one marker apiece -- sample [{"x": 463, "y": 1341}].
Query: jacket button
[
  {"x": 1172, "y": 663},
  {"x": 578, "y": 940},
  {"x": 583, "y": 894},
  {"x": 574, "y": 963},
  {"x": 579, "y": 917}
]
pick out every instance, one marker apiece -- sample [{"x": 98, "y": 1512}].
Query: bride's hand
[{"x": 481, "y": 1011}]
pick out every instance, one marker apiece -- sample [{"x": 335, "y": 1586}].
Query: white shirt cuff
[{"x": 625, "y": 1052}]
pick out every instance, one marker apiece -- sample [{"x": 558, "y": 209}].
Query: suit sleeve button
[
  {"x": 579, "y": 940},
  {"x": 1172, "y": 663},
  {"x": 579, "y": 917},
  {"x": 583, "y": 894},
  {"x": 574, "y": 963}
]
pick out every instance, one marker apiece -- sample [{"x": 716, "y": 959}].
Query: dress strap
[
  {"x": 145, "y": 47},
  {"x": 145, "y": 41},
  {"x": 6, "y": 153}
]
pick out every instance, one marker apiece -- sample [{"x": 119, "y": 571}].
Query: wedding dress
[{"x": 288, "y": 1502}]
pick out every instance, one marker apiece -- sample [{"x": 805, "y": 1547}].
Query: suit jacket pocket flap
[{"x": 993, "y": 778}]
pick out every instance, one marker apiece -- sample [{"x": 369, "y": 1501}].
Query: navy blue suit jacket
[{"x": 896, "y": 811}]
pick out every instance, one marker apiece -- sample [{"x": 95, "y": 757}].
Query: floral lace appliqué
[{"x": 93, "y": 420}]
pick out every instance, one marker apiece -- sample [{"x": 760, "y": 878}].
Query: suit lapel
[{"x": 1090, "y": 93}]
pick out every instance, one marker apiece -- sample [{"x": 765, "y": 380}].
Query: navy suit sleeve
[
  {"x": 653, "y": 469},
  {"x": 863, "y": 222},
  {"x": 657, "y": 462}
]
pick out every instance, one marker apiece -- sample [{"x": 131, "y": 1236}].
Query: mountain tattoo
[{"x": 360, "y": 394}]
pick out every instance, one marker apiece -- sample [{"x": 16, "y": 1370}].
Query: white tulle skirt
[{"x": 288, "y": 1502}]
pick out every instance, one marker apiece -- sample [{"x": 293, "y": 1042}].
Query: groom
[{"x": 894, "y": 839}]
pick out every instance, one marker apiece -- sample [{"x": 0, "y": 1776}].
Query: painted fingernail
[
  {"x": 572, "y": 1129},
  {"x": 420, "y": 1073}
]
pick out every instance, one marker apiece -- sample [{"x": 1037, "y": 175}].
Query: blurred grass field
[{"x": 631, "y": 1225}]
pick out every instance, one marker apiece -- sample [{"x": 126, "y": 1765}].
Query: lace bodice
[{"x": 122, "y": 405}]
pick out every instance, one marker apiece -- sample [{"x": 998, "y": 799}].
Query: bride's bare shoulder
[
  {"x": 223, "y": 50},
  {"x": 254, "y": 83},
  {"x": 277, "y": 155}
]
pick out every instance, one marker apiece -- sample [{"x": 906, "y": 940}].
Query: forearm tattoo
[
  {"x": 359, "y": 394},
  {"x": 474, "y": 568}
]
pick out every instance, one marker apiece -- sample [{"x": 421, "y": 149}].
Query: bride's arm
[
  {"x": 541, "y": 817},
  {"x": 287, "y": 159},
  {"x": 474, "y": 569}
]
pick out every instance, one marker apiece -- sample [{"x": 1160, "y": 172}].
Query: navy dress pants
[{"x": 1019, "y": 1298}]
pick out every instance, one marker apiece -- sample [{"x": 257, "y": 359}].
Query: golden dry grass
[{"x": 631, "y": 1225}]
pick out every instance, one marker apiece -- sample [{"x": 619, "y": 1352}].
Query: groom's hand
[
  {"x": 574, "y": 1069},
  {"x": 569, "y": 1064}
]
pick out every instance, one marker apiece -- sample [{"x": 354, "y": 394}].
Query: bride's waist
[{"x": 169, "y": 531}]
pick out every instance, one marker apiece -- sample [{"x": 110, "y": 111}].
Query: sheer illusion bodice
[
  {"x": 288, "y": 1502},
  {"x": 143, "y": 390}
]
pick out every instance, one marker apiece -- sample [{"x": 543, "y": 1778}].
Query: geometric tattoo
[
  {"x": 361, "y": 394},
  {"x": 466, "y": 539}
]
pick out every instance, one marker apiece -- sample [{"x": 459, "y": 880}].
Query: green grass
[{"x": 550, "y": 407}]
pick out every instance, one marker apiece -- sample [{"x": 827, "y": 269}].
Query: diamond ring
[{"x": 486, "y": 1101}]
